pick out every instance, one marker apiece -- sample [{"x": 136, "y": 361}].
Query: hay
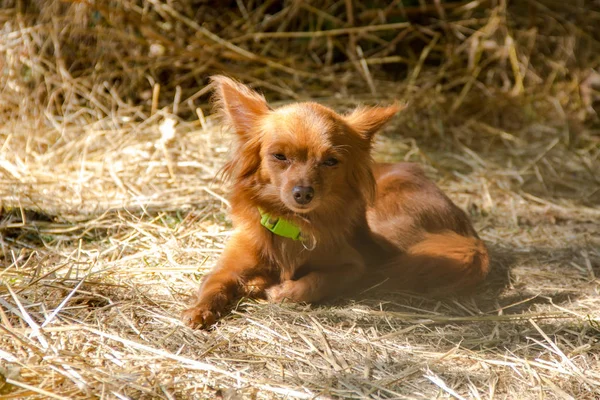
[{"x": 111, "y": 213}]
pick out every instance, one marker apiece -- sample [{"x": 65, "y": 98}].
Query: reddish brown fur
[{"x": 364, "y": 219}]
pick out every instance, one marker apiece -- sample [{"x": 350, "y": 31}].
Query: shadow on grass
[{"x": 497, "y": 293}]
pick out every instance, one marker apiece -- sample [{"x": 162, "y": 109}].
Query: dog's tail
[{"x": 441, "y": 263}]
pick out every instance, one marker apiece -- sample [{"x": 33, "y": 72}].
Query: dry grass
[{"x": 110, "y": 216}]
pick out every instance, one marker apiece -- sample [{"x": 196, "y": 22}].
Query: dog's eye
[
  {"x": 280, "y": 157},
  {"x": 330, "y": 162}
]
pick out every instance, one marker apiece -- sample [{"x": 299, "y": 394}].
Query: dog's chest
[{"x": 288, "y": 255}]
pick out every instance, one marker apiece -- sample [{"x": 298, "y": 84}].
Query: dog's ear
[
  {"x": 368, "y": 120},
  {"x": 240, "y": 105}
]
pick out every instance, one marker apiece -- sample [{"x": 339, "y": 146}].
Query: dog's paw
[
  {"x": 199, "y": 317},
  {"x": 286, "y": 291}
]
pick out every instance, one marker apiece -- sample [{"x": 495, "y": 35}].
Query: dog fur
[{"x": 361, "y": 219}]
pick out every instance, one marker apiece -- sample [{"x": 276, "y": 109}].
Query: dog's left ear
[{"x": 368, "y": 120}]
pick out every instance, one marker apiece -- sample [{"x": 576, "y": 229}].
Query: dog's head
[{"x": 302, "y": 157}]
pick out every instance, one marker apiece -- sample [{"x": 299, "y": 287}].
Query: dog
[{"x": 314, "y": 216}]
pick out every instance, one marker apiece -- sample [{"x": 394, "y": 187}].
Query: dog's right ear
[
  {"x": 240, "y": 105},
  {"x": 368, "y": 120}
]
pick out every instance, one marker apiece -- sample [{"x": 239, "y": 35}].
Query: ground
[{"x": 107, "y": 228}]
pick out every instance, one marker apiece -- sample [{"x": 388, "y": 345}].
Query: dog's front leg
[
  {"x": 238, "y": 274},
  {"x": 338, "y": 274}
]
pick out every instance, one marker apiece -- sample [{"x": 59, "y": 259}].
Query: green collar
[{"x": 280, "y": 226}]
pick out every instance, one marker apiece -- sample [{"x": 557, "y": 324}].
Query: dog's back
[{"x": 424, "y": 241}]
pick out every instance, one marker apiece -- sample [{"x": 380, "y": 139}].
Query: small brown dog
[{"x": 314, "y": 215}]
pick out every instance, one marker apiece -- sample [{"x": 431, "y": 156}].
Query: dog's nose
[{"x": 303, "y": 194}]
